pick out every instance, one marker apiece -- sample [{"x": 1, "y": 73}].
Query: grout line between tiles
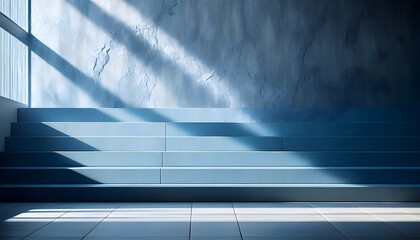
[
  {"x": 401, "y": 210},
  {"x": 191, "y": 212},
  {"x": 101, "y": 221},
  {"x": 361, "y": 209},
  {"x": 46, "y": 224},
  {"x": 166, "y": 137},
  {"x": 345, "y": 237},
  {"x": 237, "y": 221}
]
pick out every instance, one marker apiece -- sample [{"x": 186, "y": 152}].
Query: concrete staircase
[{"x": 210, "y": 155}]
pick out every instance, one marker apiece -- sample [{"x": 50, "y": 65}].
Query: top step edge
[
  {"x": 225, "y": 114},
  {"x": 196, "y": 185},
  {"x": 225, "y": 151},
  {"x": 219, "y": 123}
]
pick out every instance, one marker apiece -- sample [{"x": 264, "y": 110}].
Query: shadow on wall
[
  {"x": 324, "y": 72},
  {"x": 73, "y": 74},
  {"x": 291, "y": 59},
  {"x": 146, "y": 53}
]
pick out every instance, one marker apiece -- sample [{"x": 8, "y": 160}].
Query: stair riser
[
  {"x": 213, "y": 144},
  {"x": 88, "y": 129},
  {"x": 293, "y": 143},
  {"x": 81, "y": 159},
  {"x": 215, "y": 115},
  {"x": 289, "y": 176},
  {"x": 85, "y": 144},
  {"x": 224, "y": 144},
  {"x": 79, "y": 176},
  {"x": 214, "y": 129},
  {"x": 208, "y": 159},
  {"x": 206, "y": 194},
  {"x": 352, "y": 144},
  {"x": 142, "y": 144},
  {"x": 292, "y": 129},
  {"x": 209, "y": 176},
  {"x": 289, "y": 159}
]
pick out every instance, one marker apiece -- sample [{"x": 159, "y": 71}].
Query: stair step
[
  {"x": 207, "y": 159},
  {"x": 289, "y": 159},
  {"x": 293, "y": 129},
  {"x": 209, "y": 192},
  {"x": 224, "y": 144},
  {"x": 215, "y": 115},
  {"x": 212, "y": 144},
  {"x": 352, "y": 143},
  {"x": 88, "y": 129},
  {"x": 208, "y": 175},
  {"x": 289, "y": 175},
  {"x": 85, "y": 144},
  {"x": 80, "y": 159},
  {"x": 80, "y": 175},
  {"x": 293, "y": 143}
]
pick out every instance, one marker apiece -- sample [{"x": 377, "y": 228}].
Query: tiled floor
[{"x": 256, "y": 221}]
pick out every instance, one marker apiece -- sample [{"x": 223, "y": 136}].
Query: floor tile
[
  {"x": 65, "y": 229},
  {"x": 136, "y": 238},
  {"x": 141, "y": 229},
  {"x": 15, "y": 232},
  {"x": 289, "y": 229},
  {"x": 382, "y": 238},
  {"x": 273, "y": 208},
  {"x": 216, "y": 238},
  {"x": 410, "y": 229},
  {"x": 294, "y": 238},
  {"x": 51, "y": 238},
  {"x": 366, "y": 229},
  {"x": 214, "y": 220}
]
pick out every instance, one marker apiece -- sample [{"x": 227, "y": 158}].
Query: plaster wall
[{"x": 233, "y": 53}]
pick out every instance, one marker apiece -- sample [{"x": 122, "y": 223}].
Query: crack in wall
[
  {"x": 101, "y": 61},
  {"x": 308, "y": 42},
  {"x": 352, "y": 30},
  {"x": 213, "y": 53}
]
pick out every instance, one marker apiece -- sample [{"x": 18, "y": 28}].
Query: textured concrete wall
[{"x": 233, "y": 53}]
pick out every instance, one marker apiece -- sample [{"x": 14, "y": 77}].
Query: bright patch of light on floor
[{"x": 244, "y": 214}]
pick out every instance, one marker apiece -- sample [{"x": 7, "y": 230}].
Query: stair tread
[
  {"x": 211, "y": 168},
  {"x": 219, "y": 114},
  {"x": 314, "y": 185},
  {"x": 219, "y": 151},
  {"x": 349, "y": 137}
]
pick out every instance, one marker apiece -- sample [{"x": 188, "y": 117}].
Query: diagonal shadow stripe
[
  {"x": 141, "y": 49},
  {"x": 83, "y": 81}
]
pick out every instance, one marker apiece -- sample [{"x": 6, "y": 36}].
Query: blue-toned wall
[{"x": 233, "y": 53}]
